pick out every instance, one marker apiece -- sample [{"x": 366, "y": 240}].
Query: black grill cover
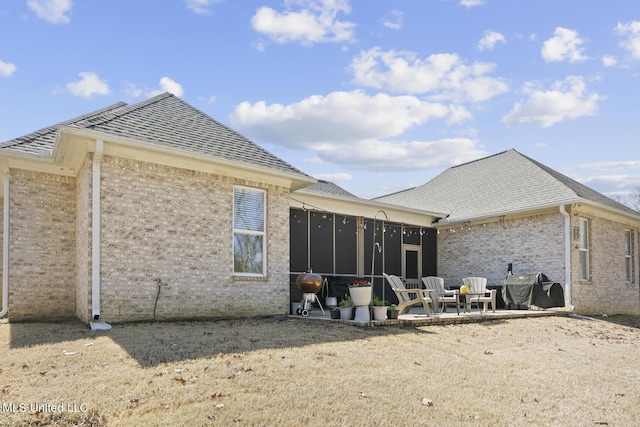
[{"x": 523, "y": 290}]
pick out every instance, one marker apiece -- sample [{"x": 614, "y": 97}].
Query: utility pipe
[
  {"x": 5, "y": 247},
  {"x": 567, "y": 257},
  {"x": 95, "y": 230}
]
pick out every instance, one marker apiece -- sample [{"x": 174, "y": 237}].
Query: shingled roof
[
  {"x": 163, "y": 120},
  {"x": 326, "y": 187},
  {"x": 497, "y": 185}
]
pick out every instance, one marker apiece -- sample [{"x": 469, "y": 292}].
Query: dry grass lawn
[{"x": 266, "y": 372}]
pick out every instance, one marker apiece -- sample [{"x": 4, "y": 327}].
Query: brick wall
[
  {"x": 532, "y": 243},
  {"x": 607, "y": 291},
  {"x": 42, "y": 246},
  {"x": 176, "y": 225}
]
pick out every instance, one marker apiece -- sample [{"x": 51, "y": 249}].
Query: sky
[{"x": 376, "y": 96}]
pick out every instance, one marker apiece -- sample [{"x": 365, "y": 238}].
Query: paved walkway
[{"x": 417, "y": 316}]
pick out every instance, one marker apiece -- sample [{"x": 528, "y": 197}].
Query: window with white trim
[
  {"x": 583, "y": 246},
  {"x": 249, "y": 249},
  {"x": 628, "y": 255}
]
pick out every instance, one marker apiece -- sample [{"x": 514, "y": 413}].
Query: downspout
[
  {"x": 95, "y": 238},
  {"x": 5, "y": 247},
  {"x": 567, "y": 257}
]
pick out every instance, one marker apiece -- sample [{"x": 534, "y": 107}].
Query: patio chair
[
  {"x": 408, "y": 297},
  {"x": 443, "y": 297},
  {"x": 479, "y": 293}
]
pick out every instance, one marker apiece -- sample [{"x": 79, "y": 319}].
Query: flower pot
[
  {"x": 380, "y": 312},
  {"x": 331, "y": 302},
  {"x": 335, "y": 314},
  {"x": 360, "y": 296},
  {"x": 346, "y": 313},
  {"x": 392, "y": 314}
]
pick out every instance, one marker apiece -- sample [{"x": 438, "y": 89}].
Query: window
[
  {"x": 583, "y": 246},
  {"x": 628, "y": 255},
  {"x": 248, "y": 231}
]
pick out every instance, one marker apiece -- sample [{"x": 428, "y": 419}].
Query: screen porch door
[{"x": 411, "y": 268}]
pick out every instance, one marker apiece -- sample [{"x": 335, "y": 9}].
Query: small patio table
[{"x": 467, "y": 304}]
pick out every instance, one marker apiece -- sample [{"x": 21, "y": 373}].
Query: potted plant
[
  {"x": 360, "y": 292},
  {"x": 392, "y": 312},
  {"x": 346, "y": 308},
  {"x": 379, "y": 308},
  {"x": 335, "y": 312}
]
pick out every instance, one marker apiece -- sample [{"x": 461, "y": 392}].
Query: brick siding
[
  {"x": 176, "y": 225},
  {"x": 42, "y": 246},
  {"x": 607, "y": 291},
  {"x": 533, "y": 244}
]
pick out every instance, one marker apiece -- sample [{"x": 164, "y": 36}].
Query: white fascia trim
[{"x": 506, "y": 213}]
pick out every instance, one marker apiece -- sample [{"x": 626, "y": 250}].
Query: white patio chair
[
  {"x": 442, "y": 296},
  {"x": 479, "y": 293},
  {"x": 408, "y": 297}
]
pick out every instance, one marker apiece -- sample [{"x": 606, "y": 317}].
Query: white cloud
[
  {"x": 565, "y": 45},
  {"x": 471, "y": 3},
  {"x": 201, "y": 7},
  {"x": 567, "y": 99},
  {"x": 337, "y": 178},
  {"x": 612, "y": 184},
  {"x": 632, "y": 43},
  {"x": 609, "y": 61},
  {"x": 394, "y": 20},
  {"x": 402, "y": 155},
  {"x": 314, "y": 22},
  {"x": 7, "y": 69},
  {"x": 167, "y": 85},
  {"x": 442, "y": 76},
  {"x": 356, "y": 129},
  {"x": 339, "y": 116},
  {"x": 54, "y": 11},
  {"x": 633, "y": 164},
  {"x": 489, "y": 40},
  {"x": 88, "y": 85}
]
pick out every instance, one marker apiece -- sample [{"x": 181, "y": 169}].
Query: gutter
[
  {"x": 567, "y": 257},
  {"x": 5, "y": 248},
  {"x": 95, "y": 238}
]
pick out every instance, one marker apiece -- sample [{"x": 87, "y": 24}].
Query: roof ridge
[
  {"x": 483, "y": 158},
  {"x": 131, "y": 108},
  {"x": 51, "y": 128}
]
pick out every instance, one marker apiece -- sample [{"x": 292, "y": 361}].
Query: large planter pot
[
  {"x": 360, "y": 296},
  {"x": 380, "y": 312},
  {"x": 346, "y": 313}
]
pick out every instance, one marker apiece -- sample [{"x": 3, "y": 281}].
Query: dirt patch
[{"x": 537, "y": 371}]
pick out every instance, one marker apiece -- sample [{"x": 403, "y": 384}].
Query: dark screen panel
[
  {"x": 393, "y": 249},
  {"x": 429, "y": 252},
  {"x": 346, "y": 245},
  {"x": 411, "y": 235},
  {"x": 369, "y": 248},
  {"x": 321, "y": 232},
  {"x": 298, "y": 240}
]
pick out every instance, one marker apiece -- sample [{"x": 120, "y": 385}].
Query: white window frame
[
  {"x": 260, "y": 233},
  {"x": 628, "y": 255},
  {"x": 583, "y": 247}
]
